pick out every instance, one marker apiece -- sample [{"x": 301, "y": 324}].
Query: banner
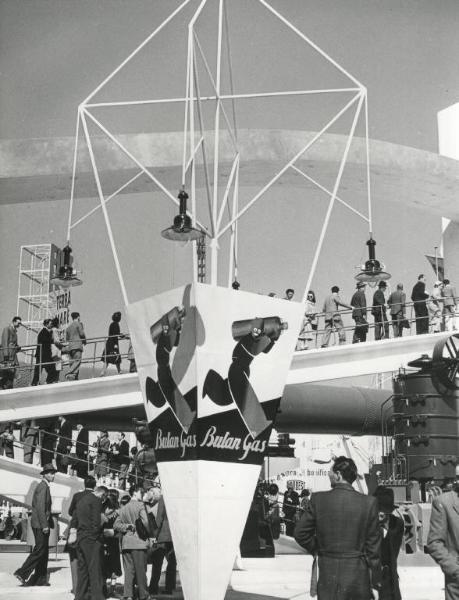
[{"x": 212, "y": 364}]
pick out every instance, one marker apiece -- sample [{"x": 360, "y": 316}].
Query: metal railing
[
  {"x": 444, "y": 322},
  {"x": 93, "y": 353},
  {"x": 93, "y": 350},
  {"x": 52, "y": 454}
]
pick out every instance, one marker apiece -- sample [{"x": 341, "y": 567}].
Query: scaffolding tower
[{"x": 36, "y": 295}]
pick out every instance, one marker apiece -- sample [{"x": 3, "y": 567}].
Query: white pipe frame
[{"x": 193, "y": 102}]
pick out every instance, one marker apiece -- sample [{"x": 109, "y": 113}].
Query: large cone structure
[{"x": 212, "y": 364}]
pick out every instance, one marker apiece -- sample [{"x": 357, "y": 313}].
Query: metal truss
[{"x": 196, "y": 141}]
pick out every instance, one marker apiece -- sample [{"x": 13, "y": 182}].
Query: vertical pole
[
  {"x": 214, "y": 244},
  {"x": 436, "y": 261},
  {"x": 367, "y": 147},
  {"x": 190, "y": 95},
  {"x": 104, "y": 210},
  {"x": 72, "y": 189}
]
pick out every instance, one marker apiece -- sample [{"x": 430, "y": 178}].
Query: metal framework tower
[{"x": 36, "y": 298}]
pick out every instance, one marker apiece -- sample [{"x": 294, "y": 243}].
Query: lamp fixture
[
  {"x": 67, "y": 275},
  {"x": 372, "y": 271},
  {"x": 182, "y": 230}
]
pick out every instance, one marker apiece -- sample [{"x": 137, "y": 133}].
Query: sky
[{"x": 53, "y": 53}]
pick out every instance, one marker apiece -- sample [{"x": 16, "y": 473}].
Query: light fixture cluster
[{"x": 372, "y": 272}]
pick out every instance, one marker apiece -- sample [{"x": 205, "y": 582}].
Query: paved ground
[{"x": 283, "y": 577}]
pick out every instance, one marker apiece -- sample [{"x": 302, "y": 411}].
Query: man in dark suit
[
  {"x": 81, "y": 451},
  {"x": 89, "y": 485},
  {"x": 340, "y": 528},
  {"x": 43, "y": 354},
  {"x": 64, "y": 444},
  {"x": 289, "y": 508},
  {"x": 419, "y": 297},
  {"x": 88, "y": 520},
  {"x": 359, "y": 314},
  {"x": 392, "y": 529},
  {"x": 120, "y": 459},
  {"x": 379, "y": 312},
  {"x": 443, "y": 538},
  {"x": 42, "y": 522}
]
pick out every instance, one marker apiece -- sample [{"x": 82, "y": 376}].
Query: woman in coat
[
  {"x": 111, "y": 354},
  {"x": 133, "y": 548}
]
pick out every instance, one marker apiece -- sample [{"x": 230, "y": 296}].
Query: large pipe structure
[
  {"x": 305, "y": 408},
  {"x": 310, "y": 408}
]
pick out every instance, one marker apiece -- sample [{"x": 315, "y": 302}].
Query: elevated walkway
[{"x": 114, "y": 394}]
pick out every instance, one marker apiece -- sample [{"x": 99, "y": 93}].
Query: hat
[
  {"x": 49, "y": 468},
  {"x": 361, "y": 284},
  {"x": 382, "y": 284},
  {"x": 385, "y": 498},
  {"x": 125, "y": 495}
]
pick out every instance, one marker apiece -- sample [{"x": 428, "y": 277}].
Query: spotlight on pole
[
  {"x": 182, "y": 230},
  {"x": 372, "y": 271},
  {"x": 66, "y": 276}
]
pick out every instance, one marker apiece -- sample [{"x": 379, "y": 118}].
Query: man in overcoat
[
  {"x": 419, "y": 297},
  {"x": 340, "y": 528},
  {"x": 76, "y": 339},
  {"x": 392, "y": 529},
  {"x": 43, "y": 354},
  {"x": 42, "y": 523},
  {"x": 88, "y": 519},
  {"x": 443, "y": 538}
]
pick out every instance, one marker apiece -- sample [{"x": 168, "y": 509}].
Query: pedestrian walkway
[{"x": 284, "y": 577}]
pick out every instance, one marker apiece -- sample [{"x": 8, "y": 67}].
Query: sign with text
[{"x": 212, "y": 364}]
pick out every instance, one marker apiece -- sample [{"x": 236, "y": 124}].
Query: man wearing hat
[
  {"x": 379, "y": 312},
  {"x": 443, "y": 538},
  {"x": 359, "y": 314},
  {"x": 42, "y": 523},
  {"x": 392, "y": 529}
]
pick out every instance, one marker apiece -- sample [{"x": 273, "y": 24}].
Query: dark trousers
[
  {"x": 165, "y": 550},
  {"x": 29, "y": 440},
  {"x": 422, "y": 318},
  {"x": 381, "y": 330},
  {"x": 6, "y": 447},
  {"x": 135, "y": 569},
  {"x": 89, "y": 578},
  {"x": 7, "y": 378},
  {"x": 62, "y": 459},
  {"x": 51, "y": 374},
  {"x": 75, "y": 362},
  {"x": 81, "y": 466},
  {"x": 47, "y": 449},
  {"x": 360, "y": 331},
  {"x": 38, "y": 559}
]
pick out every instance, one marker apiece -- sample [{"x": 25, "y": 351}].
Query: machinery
[{"x": 420, "y": 429}]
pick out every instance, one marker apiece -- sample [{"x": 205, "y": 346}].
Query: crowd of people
[
  {"x": 111, "y": 533},
  {"x": 109, "y": 459},
  {"x": 434, "y": 311},
  {"x": 430, "y": 312},
  {"x": 56, "y": 346}
]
